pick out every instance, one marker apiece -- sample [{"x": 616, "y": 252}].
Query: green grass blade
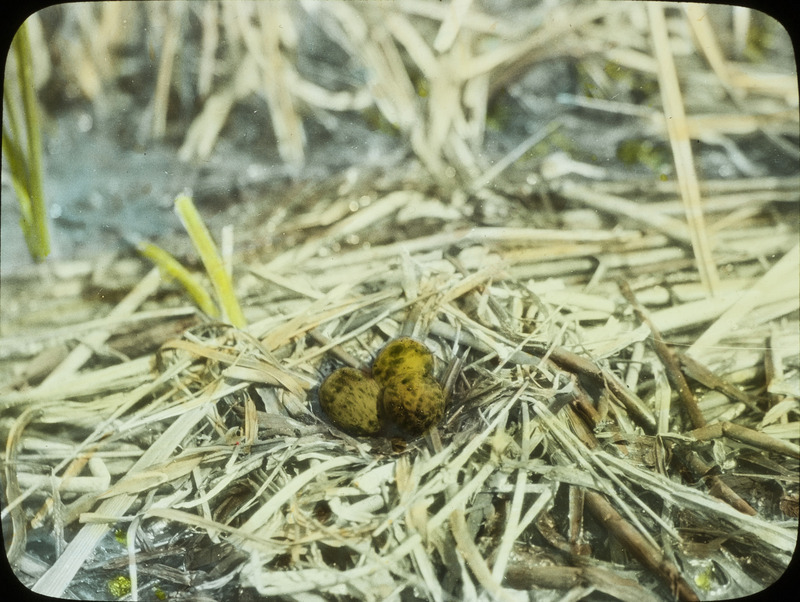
[
  {"x": 26, "y": 165},
  {"x": 170, "y": 266},
  {"x": 220, "y": 279}
]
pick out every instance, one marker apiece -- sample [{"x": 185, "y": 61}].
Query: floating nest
[{"x": 584, "y": 446}]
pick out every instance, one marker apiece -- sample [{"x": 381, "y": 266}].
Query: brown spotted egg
[
  {"x": 350, "y": 398},
  {"x": 412, "y": 398},
  {"x": 402, "y": 391},
  {"x": 413, "y": 401},
  {"x": 402, "y": 355}
]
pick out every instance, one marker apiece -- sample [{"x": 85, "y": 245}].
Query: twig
[
  {"x": 699, "y": 372},
  {"x": 667, "y": 357},
  {"x": 716, "y": 486},
  {"x": 652, "y": 558},
  {"x": 746, "y": 435}
]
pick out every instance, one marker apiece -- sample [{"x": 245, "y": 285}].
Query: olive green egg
[
  {"x": 414, "y": 401},
  {"x": 350, "y": 399},
  {"x": 402, "y": 355}
]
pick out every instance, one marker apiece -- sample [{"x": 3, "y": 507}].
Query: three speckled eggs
[{"x": 402, "y": 391}]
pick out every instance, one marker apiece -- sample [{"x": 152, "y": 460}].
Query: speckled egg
[
  {"x": 402, "y": 355},
  {"x": 414, "y": 401},
  {"x": 351, "y": 400}
]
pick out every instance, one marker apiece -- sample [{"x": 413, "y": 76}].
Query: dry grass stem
[{"x": 677, "y": 128}]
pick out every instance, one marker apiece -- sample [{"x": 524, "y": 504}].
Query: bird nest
[{"x": 579, "y": 451}]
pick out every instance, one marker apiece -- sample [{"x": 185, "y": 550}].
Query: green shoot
[
  {"x": 170, "y": 266},
  {"x": 22, "y": 147},
  {"x": 220, "y": 279}
]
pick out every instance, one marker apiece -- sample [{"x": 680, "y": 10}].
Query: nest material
[
  {"x": 561, "y": 429},
  {"x": 638, "y": 441}
]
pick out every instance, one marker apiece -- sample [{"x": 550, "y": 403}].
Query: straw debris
[
  {"x": 610, "y": 425},
  {"x": 221, "y": 433}
]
